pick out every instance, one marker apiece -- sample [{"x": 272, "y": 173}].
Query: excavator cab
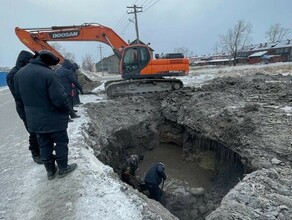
[{"x": 134, "y": 59}]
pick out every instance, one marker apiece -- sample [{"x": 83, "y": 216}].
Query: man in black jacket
[
  {"x": 23, "y": 59},
  {"x": 153, "y": 179},
  {"x": 76, "y": 99},
  {"x": 129, "y": 170},
  {"x": 46, "y": 108},
  {"x": 67, "y": 78}
]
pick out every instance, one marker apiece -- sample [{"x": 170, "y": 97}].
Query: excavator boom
[{"x": 36, "y": 39}]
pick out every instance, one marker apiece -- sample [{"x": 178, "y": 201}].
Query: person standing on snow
[
  {"x": 67, "y": 78},
  {"x": 23, "y": 59},
  {"x": 153, "y": 179},
  {"x": 45, "y": 103},
  {"x": 76, "y": 99}
]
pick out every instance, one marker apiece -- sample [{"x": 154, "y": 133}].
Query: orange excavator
[{"x": 140, "y": 72}]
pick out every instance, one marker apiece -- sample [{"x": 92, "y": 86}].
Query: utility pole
[
  {"x": 136, "y": 10},
  {"x": 101, "y": 60}
]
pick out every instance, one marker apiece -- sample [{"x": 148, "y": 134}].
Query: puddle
[{"x": 181, "y": 175}]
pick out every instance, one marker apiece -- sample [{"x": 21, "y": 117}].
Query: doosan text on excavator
[{"x": 140, "y": 72}]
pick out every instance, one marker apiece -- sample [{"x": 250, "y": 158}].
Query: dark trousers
[
  {"x": 71, "y": 111},
  {"x": 154, "y": 191},
  {"x": 76, "y": 99},
  {"x": 49, "y": 142},
  {"x": 33, "y": 143}
]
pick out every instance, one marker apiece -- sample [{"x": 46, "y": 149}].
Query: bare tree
[
  {"x": 276, "y": 33},
  {"x": 216, "y": 48},
  {"x": 87, "y": 62},
  {"x": 185, "y": 51},
  {"x": 58, "y": 47},
  {"x": 70, "y": 56},
  {"x": 235, "y": 39}
]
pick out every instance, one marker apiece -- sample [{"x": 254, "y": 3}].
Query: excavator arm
[{"x": 37, "y": 39}]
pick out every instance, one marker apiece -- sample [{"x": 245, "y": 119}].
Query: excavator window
[
  {"x": 131, "y": 56},
  {"x": 134, "y": 59}
]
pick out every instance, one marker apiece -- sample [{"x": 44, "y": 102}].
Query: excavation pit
[{"x": 200, "y": 171}]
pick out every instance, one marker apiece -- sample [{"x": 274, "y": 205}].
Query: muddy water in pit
[{"x": 181, "y": 175}]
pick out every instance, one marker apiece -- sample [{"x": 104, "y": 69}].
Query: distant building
[
  {"x": 108, "y": 64},
  {"x": 215, "y": 59},
  {"x": 268, "y": 52},
  {"x": 252, "y": 54}
]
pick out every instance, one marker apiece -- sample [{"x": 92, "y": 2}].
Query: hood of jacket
[
  {"x": 75, "y": 66},
  {"x": 23, "y": 58},
  {"x": 67, "y": 64}
]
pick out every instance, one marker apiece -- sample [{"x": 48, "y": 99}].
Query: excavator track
[{"x": 141, "y": 86}]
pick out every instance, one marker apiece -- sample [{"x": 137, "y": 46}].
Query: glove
[{"x": 81, "y": 92}]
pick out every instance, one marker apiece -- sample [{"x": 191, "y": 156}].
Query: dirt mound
[{"x": 86, "y": 83}]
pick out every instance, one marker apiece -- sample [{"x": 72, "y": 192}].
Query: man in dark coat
[
  {"x": 46, "y": 108},
  {"x": 23, "y": 59},
  {"x": 153, "y": 179},
  {"x": 67, "y": 78},
  {"x": 131, "y": 164},
  {"x": 129, "y": 170},
  {"x": 76, "y": 99}
]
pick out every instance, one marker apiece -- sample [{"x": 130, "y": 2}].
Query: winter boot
[
  {"x": 36, "y": 157},
  {"x": 75, "y": 116},
  {"x": 65, "y": 168},
  {"x": 34, "y": 148},
  {"x": 51, "y": 169},
  {"x": 70, "y": 168}
]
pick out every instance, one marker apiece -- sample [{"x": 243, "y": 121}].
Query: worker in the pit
[
  {"x": 153, "y": 178},
  {"x": 129, "y": 170}
]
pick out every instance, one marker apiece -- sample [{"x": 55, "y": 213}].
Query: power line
[
  {"x": 126, "y": 26},
  {"x": 127, "y": 22},
  {"x": 148, "y": 3},
  {"x": 101, "y": 59},
  {"x": 151, "y": 5},
  {"x": 142, "y": 2},
  {"x": 137, "y": 9},
  {"x": 124, "y": 21},
  {"x": 118, "y": 23}
]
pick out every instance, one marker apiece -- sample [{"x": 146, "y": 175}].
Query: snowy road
[{"x": 15, "y": 158}]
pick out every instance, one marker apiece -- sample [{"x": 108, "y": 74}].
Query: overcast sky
[{"x": 166, "y": 24}]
